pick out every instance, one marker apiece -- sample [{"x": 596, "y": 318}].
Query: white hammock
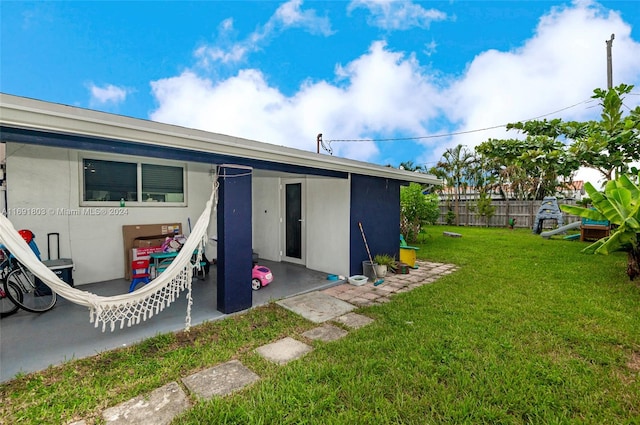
[{"x": 128, "y": 308}]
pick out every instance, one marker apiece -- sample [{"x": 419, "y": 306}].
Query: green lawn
[{"x": 527, "y": 330}]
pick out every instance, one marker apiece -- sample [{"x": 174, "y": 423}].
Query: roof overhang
[{"x": 24, "y": 115}]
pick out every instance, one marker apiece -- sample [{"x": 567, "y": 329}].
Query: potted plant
[{"x": 383, "y": 263}]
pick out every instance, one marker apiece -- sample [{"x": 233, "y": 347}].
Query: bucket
[{"x": 367, "y": 270}]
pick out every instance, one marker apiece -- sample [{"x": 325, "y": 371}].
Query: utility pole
[{"x": 609, "y": 65}]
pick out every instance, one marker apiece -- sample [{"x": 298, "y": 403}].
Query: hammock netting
[{"x": 130, "y": 308}]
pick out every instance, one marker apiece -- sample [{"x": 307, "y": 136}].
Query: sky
[{"x": 428, "y": 75}]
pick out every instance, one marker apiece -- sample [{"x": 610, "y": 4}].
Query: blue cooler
[{"x": 63, "y": 268}]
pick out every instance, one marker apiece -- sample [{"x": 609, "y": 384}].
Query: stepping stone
[
  {"x": 325, "y": 333},
  {"x": 316, "y": 306},
  {"x": 159, "y": 407},
  {"x": 220, "y": 380},
  {"x": 354, "y": 320},
  {"x": 452, "y": 234},
  {"x": 284, "y": 350}
]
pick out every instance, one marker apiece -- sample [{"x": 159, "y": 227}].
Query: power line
[{"x": 457, "y": 133}]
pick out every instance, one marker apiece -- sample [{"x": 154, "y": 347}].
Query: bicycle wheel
[
  {"x": 7, "y": 306},
  {"x": 36, "y": 296}
]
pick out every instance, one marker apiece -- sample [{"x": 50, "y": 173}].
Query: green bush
[
  {"x": 450, "y": 218},
  {"x": 416, "y": 210}
]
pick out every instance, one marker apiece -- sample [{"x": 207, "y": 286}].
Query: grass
[{"x": 527, "y": 330}]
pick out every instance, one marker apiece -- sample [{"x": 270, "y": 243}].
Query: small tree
[
  {"x": 416, "y": 210},
  {"x": 485, "y": 209},
  {"x": 612, "y": 144}
]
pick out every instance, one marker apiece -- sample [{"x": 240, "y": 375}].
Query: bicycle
[
  {"x": 24, "y": 289},
  {"x": 7, "y": 306}
]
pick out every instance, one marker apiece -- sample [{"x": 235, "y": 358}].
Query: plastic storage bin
[{"x": 358, "y": 280}]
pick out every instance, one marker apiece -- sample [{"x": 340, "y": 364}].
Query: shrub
[
  {"x": 620, "y": 205},
  {"x": 450, "y": 218},
  {"x": 416, "y": 210}
]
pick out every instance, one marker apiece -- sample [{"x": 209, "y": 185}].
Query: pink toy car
[{"x": 260, "y": 276}]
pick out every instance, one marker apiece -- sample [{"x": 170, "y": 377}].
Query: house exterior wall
[
  {"x": 266, "y": 217},
  {"x": 328, "y": 225},
  {"x": 45, "y": 182},
  {"x": 375, "y": 202}
]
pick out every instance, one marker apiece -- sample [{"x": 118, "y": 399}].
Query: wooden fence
[{"x": 524, "y": 212}]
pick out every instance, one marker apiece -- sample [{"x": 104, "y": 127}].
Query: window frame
[{"x": 139, "y": 162}]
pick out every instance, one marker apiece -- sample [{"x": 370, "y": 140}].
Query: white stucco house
[{"x": 66, "y": 170}]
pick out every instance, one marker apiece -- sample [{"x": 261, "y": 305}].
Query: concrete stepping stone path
[
  {"x": 220, "y": 380},
  {"x": 354, "y": 320},
  {"x": 159, "y": 407},
  {"x": 283, "y": 351},
  {"x": 325, "y": 333},
  {"x": 316, "y": 307}
]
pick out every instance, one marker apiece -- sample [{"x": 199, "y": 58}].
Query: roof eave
[{"x": 39, "y": 115}]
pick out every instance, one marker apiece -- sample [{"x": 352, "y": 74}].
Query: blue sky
[{"x": 282, "y": 72}]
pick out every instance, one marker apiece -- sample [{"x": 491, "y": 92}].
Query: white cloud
[
  {"x": 380, "y": 92},
  {"x": 430, "y": 48},
  {"x": 559, "y": 66},
  {"x": 291, "y": 15},
  {"x": 107, "y": 94},
  {"x": 385, "y": 93},
  {"x": 288, "y": 15},
  {"x": 398, "y": 14}
]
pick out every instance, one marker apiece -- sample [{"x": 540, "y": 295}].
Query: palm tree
[
  {"x": 455, "y": 161},
  {"x": 410, "y": 166}
]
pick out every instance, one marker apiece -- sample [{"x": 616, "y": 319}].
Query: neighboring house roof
[
  {"x": 24, "y": 118},
  {"x": 576, "y": 185}
]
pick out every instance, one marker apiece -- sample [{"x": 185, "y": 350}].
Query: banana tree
[{"x": 620, "y": 204}]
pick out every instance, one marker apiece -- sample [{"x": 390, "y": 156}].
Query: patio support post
[{"x": 234, "y": 239}]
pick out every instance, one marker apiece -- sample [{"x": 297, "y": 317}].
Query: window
[
  {"x": 110, "y": 180},
  {"x": 135, "y": 182},
  {"x": 161, "y": 183}
]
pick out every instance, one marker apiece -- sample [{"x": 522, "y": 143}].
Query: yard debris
[{"x": 452, "y": 234}]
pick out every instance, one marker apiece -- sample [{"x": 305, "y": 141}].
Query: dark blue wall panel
[
  {"x": 234, "y": 240},
  {"x": 375, "y": 202}
]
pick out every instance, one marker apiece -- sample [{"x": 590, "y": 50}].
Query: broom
[{"x": 375, "y": 273}]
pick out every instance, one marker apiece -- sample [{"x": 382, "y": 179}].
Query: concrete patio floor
[{"x": 31, "y": 342}]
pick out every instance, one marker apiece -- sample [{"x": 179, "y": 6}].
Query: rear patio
[{"x": 31, "y": 342}]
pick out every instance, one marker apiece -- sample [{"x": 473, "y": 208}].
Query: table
[{"x": 159, "y": 261}]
